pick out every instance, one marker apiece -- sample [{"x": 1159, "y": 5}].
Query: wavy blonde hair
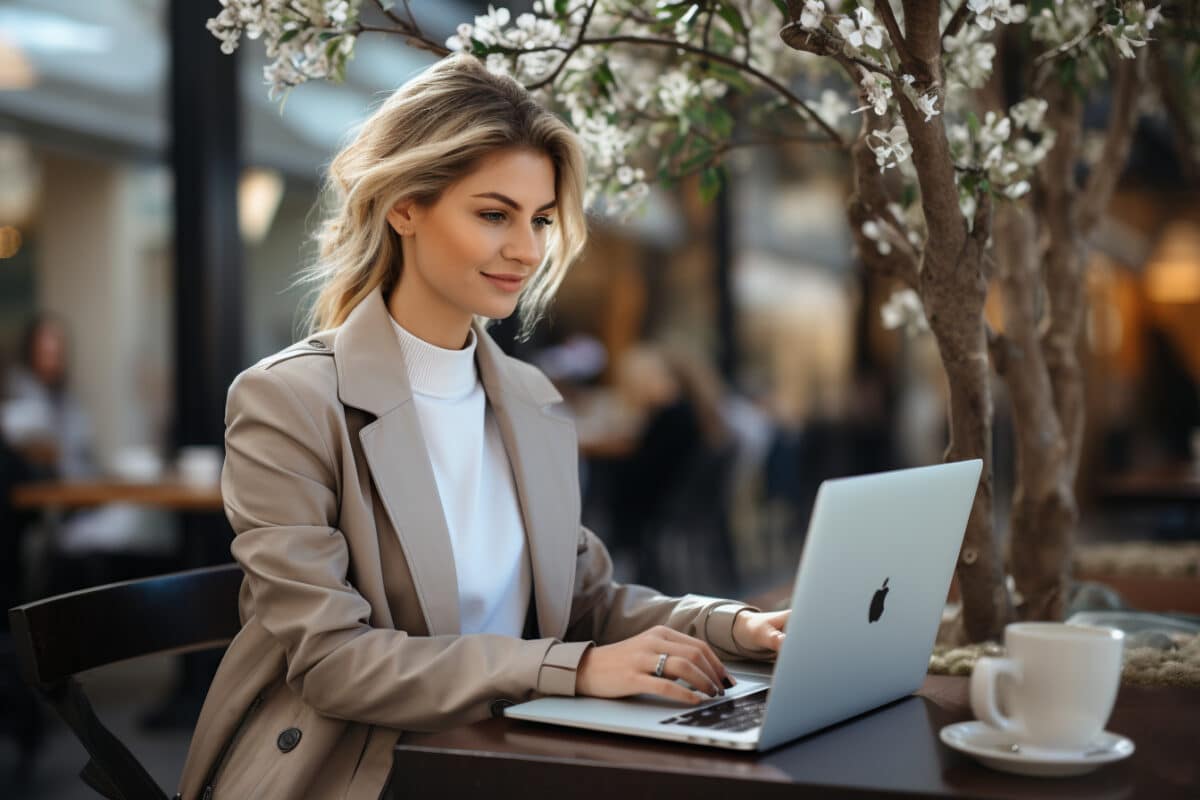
[{"x": 428, "y": 134}]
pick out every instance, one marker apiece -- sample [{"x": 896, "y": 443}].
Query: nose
[{"x": 524, "y": 246}]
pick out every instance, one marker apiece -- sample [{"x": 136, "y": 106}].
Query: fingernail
[{"x": 727, "y": 681}]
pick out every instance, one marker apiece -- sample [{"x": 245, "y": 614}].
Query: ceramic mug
[{"x": 1060, "y": 683}]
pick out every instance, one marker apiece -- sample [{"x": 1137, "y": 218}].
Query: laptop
[{"x": 868, "y": 598}]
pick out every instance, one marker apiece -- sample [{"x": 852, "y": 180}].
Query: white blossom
[
  {"x": 1029, "y": 113},
  {"x": 968, "y": 59},
  {"x": 904, "y": 310},
  {"x": 878, "y": 90},
  {"x": 874, "y": 231},
  {"x": 890, "y": 147},
  {"x": 989, "y": 12},
  {"x": 812, "y": 14},
  {"x": 860, "y": 30},
  {"x": 1018, "y": 189},
  {"x": 927, "y": 105}
]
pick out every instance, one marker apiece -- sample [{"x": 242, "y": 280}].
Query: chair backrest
[{"x": 58, "y": 637}]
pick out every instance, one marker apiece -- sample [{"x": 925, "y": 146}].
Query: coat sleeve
[
  {"x": 605, "y": 611},
  {"x": 280, "y": 485}
]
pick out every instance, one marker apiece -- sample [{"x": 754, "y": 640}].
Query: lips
[{"x": 506, "y": 282}]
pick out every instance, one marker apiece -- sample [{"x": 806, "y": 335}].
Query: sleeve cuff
[
  {"x": 558, "y": 670},
  {"x": 718, "y": 630}
]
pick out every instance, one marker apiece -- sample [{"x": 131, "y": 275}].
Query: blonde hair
[{"x": 429, "y": 133}]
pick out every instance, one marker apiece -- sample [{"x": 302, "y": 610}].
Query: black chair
[{"x": 59, "y": 637}]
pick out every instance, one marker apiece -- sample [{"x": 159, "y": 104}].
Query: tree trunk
[
  {"x": 1049, "y": 439},
  {"x": 1043, "y": 503}
]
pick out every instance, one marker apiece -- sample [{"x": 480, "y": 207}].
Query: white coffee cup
[{"x": 1060, "y": 683}]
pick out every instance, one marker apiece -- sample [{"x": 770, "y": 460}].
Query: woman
[{"x": 405, "y": 496}]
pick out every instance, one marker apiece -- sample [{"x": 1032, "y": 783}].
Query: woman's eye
[
  {"x": 544, "y": 222},
  {"x": 492, "y": 216}
]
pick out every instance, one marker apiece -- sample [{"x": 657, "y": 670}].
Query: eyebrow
[{"x": 513, "y": 204}]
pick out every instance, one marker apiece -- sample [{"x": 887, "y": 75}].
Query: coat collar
[{"x": 541, "y": 447}]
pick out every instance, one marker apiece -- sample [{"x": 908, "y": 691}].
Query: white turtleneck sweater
[{"x": 475, "y": 485}]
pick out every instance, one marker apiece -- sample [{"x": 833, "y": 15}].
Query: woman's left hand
[{"x": 760, "y": 630}]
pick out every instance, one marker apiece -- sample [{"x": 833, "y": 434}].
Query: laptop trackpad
[{"x": 642, "y": 709}]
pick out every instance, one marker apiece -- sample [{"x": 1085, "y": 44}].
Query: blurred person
[
  {"x": 404, "y": 495},
  {"x": 42, "y": 417},
  {"x": 48, "y": 428},
  {"x": 680, "y": 399}
]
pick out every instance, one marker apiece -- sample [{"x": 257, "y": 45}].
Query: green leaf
[
  {"x": 721, "y": 122},
  {"x": 711, "y": 180},
  {"x": 973, "y": 124},
  {"x": 604, "y": 79},
  {"x": 732, "y": 16},
  {"x": 671, "y": 11},
  {"x": 695, "y": 160},
  {"x": 288, "y": 36},
  {"x": 560, "y": 8},
  {"x": 909, "y": 195},
  {"x": 783, "y": 9}
]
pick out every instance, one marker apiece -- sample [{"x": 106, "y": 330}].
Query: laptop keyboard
[{"x": 738, "y": 714}]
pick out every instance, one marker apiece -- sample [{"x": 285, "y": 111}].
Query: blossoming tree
[{"x": 961, "y": 186}]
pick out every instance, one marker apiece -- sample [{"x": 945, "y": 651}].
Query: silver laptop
[{"x": 866, "y": 606}]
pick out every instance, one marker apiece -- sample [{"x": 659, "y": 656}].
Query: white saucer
[{"x": 991, "y": 747}]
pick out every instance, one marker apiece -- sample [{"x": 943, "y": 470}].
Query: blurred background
[{"x": 721, "y": 359}]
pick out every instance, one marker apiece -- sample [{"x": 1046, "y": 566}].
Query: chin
[{"x": 494, "y": 310}]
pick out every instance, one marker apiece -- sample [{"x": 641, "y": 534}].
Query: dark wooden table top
[
  {"x": 167, "y": 493},
  {"x": 893, "y": 750},
  {"x": 1178, "y": 483}
]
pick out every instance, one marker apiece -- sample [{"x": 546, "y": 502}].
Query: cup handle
[{"x": 983, "y": 691}]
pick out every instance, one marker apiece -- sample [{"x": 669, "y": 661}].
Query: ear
[{"x": 403, "y": 217}]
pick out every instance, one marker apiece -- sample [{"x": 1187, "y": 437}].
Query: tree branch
[
  {"x": 413, "y": 39},
  {"x": 821, "y": 43},
  {"x": 587, "y": 18},
  {"x": 762, "y": 77},
  {"x": 424, "y": 43},
  {"x": 884, "y": 9},
  {"x": 869, "y": 203},
  {"x": 1122, "y": 120},
  {"x": 957, "y": 20}
]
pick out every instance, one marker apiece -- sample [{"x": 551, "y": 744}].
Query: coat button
[
  {"x": 316, "y": 344},
  {"x": 497, "y": 707},
  {"x": 288, "y": 740}
]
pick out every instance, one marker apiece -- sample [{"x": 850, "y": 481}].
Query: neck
[{"x": 427, "y": 319}]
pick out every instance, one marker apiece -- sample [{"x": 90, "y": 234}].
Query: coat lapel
[
  {"x": 540, "y": 444},
  {"x": 371, "y": 376},
  {"x": 541, "y": 447}
]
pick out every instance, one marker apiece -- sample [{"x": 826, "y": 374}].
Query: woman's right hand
[{"x": 627, "y": 667}]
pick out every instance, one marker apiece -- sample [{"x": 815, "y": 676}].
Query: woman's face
[
  {"x": 48, "y": 354},
  {"x": 474, "y": 250}
]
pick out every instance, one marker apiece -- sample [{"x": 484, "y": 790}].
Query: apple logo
[{"x": 877, "y": 603}]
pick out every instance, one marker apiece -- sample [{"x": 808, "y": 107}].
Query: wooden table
[
  {"x": 65, "y": 495},
  {"x": 893, "y": 750},
  {"x": 1179, "y": 483}
]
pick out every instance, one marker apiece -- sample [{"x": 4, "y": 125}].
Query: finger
[
  {"x": 677, "y": 667},
  {"x": 670, "y": 689},
  {"x": 768, "y": 636},
  {"x": 693, "y": 655},
  {"x": 716, "y": 668}
]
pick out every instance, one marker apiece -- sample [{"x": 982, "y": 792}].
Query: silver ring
[{"x": 662, "y": 662}]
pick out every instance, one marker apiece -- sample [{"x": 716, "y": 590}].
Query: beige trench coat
[{"x": 350, "y": 606}]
